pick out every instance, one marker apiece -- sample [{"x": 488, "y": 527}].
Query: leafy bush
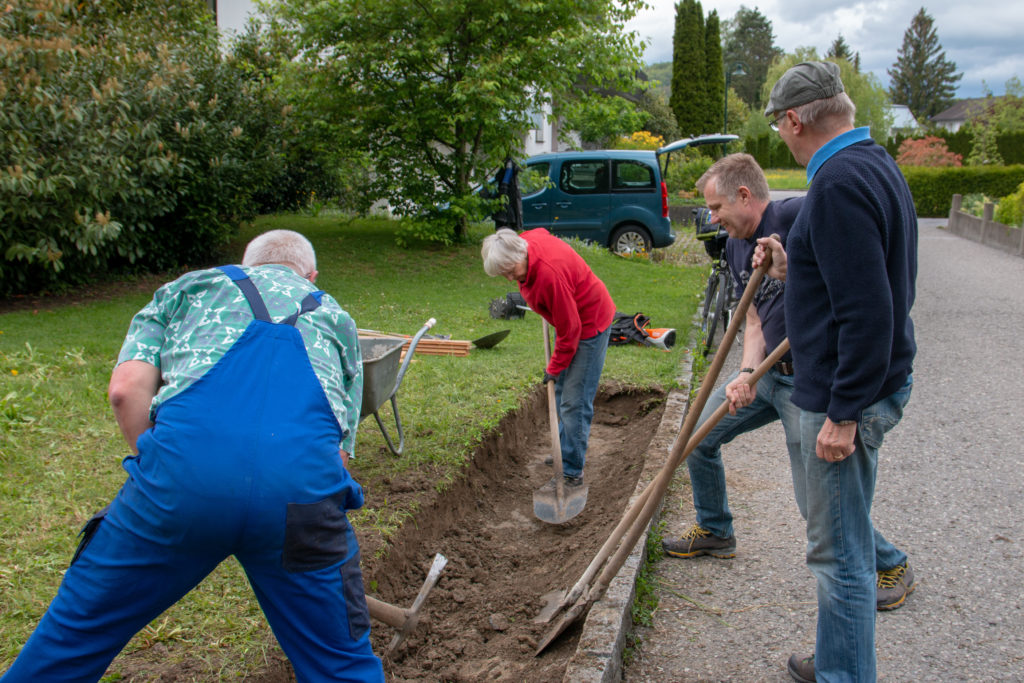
[
  {"x": 974, "y": 204},
  {"x": 131, "y": 142},
  {"x": 928, "y": 151},
  {"x": 685, "y": 169},
  {"x": 933, "y": 188},
  {"x": 1010, "y": 210},
  {"x": 641, "y": 139}
]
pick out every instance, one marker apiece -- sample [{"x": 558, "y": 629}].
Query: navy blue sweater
[{"x": 852, "y": 256}]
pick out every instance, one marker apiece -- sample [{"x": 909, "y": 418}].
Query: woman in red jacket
[{"x": 559, "y": 286}]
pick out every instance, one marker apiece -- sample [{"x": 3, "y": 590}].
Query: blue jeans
[
  {"x": 574, "y": 395},
  {"x": 841, "y": 541},
  {"x": 707, "y": 472}
]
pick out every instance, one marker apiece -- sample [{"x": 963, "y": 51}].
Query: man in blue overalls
[{"x": 239, "y": 390}]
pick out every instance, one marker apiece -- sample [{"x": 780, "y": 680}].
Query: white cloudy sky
[{"x": 983, "y": 37}]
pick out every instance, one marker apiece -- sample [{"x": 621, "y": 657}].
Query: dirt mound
[{"x": 477, "y": 623}]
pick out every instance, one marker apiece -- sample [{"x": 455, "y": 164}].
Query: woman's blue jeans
[
  {"x": 841, "y": 540},
  {"x": 574, "y": 395}
]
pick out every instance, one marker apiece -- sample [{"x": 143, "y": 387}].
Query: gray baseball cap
[{"x": 803, "y": 83}]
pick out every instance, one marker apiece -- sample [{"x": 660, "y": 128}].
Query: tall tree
[
  {"x": 439, "y": 92},
  {"x": 841, "y": 50},
  {"x": 714, "y": 74},
  {"x": 748, "y": 39},
  {"x": 689, "y": 89},
  {"x": 922, "y": 77}
]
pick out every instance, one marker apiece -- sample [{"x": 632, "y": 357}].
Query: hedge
[{"x": 933, "y": 188}]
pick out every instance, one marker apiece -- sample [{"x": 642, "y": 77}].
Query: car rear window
[
  {"x": 584, "y": 177},
  {"x": 632, "y": 176}
]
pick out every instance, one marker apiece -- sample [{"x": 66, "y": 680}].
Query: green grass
[
  {"x": 786, "y": 178},
  {"x": 60, "y": 449}
]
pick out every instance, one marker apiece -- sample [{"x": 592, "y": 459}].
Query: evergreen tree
[
  {"x": 714, "y": 75},
  {"x": 748, "y": 38},
  {"x": 922, "y": 77},
  {"x": 689, "y": 91},
  {"x": 841, "y": 50}
]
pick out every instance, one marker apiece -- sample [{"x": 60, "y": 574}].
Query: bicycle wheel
[
  {"x": 708, "y": 317},
  {"x": 717, "y": 311}
]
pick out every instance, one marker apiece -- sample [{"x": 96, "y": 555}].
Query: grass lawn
[
  {"x": 786, "y": 178},
  {"x": 60, "y": 449}
]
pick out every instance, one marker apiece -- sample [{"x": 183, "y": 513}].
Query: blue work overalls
[{"x": 243, "y": 462}]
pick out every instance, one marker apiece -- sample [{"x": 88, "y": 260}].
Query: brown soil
[{"x": 477, "y": 623}]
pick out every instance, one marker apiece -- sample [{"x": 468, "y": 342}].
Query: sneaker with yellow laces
[
  {"x": 699, "y": 541},
  {"x": 894, "y": 585}
]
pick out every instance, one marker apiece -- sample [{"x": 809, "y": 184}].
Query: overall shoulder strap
[
  {"x": 310, "y": 303},
  {"x": 252, "y": 295}
]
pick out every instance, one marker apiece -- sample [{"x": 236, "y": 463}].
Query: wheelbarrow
[{"x": 382, "y": 375}]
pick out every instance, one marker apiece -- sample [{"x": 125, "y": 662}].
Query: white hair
[
  {"x": 284, "y": 247},
  {"x": 502, "y": 251},
  {"x": 827, "y": 112}
]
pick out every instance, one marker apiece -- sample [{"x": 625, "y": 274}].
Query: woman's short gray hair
[
  {"x": 820, "y": 114},
  {"x": 284, "y": 247},
  {"x": 502, "y": 251}
]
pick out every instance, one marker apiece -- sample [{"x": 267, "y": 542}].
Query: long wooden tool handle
[
  {"x": 556, "y": 444},
  {"x": 707, "y": 385},
  {"x": 656, "y": 489}
]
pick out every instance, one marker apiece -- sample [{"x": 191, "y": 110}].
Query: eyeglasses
[{"x": 774, "y": 123}]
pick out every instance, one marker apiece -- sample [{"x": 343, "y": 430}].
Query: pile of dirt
[{"x": 477, "y": 623}]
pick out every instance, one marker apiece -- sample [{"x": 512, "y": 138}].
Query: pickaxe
[{"x": 405, "y": 620}]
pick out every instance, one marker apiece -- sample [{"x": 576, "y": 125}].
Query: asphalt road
[{"x": 950, "y": 492}]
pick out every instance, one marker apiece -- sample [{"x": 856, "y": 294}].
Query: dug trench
[{"x": 477, "y": 623}]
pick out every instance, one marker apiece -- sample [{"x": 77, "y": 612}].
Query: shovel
[
  {"x": 553, "y": 504},
  {"x": 490, "y": 340}
]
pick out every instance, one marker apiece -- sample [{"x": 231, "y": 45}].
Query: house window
[{"x": 539, "y": 123}]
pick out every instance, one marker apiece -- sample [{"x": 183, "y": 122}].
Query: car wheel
[{"x": 630, "y": 239}]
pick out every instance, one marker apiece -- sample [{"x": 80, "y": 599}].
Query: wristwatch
[
  {"x": 750, "y": 370},
  {"x": 844, "y": 423}
]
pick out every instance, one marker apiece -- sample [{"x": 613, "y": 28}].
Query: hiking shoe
[
  {"x": 572, "y": 482},
  {"x": 699, "y": 541},
  {"x": 802, "y": 668},
  {"x": 894, "y": 585}
]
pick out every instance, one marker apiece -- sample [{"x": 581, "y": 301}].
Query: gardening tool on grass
[
  {"x": 639, "y": 514},
  {"x": 555, "y": 504},
  {"x": 491, "y": 340},
  {"x": 405, "y": 620}
]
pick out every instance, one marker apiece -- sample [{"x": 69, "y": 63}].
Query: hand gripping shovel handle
[{"x": 681, "y": 440}]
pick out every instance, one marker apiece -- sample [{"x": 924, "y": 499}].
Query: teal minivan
[{"x": 615, "y": 198}]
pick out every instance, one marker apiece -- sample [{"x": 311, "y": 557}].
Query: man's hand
[
  {"x": 344, "y": 457},
  {"x": 739, "y": 393},
  {"x": 548, "y": 377},
  {"x": 769, "y": 247},
  {"x": 835, "y": 441}
]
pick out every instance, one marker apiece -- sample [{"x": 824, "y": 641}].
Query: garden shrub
[
  {"x": 927, "y": 151},
  {"x": 130, "y": 142},
  {"x": 933, "y": 188},
  {"x": 1010, "y": 209}
]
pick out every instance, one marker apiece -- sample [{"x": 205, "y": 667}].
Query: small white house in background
[
  {"x": 903, "y": 121},
  {"x": 961, "y": 112}
]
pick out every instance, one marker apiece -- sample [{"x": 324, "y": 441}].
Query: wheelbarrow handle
[{"x": 412, "y": 349}]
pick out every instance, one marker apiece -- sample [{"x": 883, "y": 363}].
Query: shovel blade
[
  {"x": 548, "y": 508},
  {"x": 552, "y": 606}
]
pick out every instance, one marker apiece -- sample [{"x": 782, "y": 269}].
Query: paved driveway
[{"x": 950, "y": 492}]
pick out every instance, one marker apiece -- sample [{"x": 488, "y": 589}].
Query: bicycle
[{"x": 720, "y": 292}]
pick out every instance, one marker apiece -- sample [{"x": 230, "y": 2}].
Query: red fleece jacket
[{"x": 561, "y": 288}]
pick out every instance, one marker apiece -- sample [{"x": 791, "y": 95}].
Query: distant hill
[{"x": 662, "y": 73}]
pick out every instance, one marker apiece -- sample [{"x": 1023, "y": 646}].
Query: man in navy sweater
[{"x": 850, "y": 264}]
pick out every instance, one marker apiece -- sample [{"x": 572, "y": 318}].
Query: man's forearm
[{"x": 133, "y": 384}]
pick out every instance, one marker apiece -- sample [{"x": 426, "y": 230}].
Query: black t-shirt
[{"x": 778, "y": 217}]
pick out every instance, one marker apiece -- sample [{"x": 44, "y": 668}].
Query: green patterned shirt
[{"x": 192, "y": 322}]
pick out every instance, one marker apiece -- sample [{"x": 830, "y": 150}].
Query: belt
[{"x": 783, "y": 368}]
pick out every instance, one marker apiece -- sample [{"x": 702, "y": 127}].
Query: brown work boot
[
  {"x": 802, "y": 668},
  {"x": 894, "y": 585},
  {"x": 699, "y": 541}
]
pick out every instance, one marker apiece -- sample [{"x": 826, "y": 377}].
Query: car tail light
[{"x": 664, "y": 200}]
